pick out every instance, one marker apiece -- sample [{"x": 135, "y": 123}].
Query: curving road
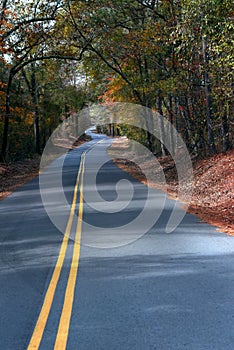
[{"x": 106, "y": 284}]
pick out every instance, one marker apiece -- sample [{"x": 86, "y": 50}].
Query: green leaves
[{"x": 148, "y": 52}]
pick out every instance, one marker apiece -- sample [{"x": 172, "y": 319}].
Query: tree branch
[
  {"x": 151, "y": 5},
  {"x": 29, "y": 21},
  {"x": 48, "y": 57},
  {"x": 100, "y": 55},
  {"x": 4, "y": 5}
]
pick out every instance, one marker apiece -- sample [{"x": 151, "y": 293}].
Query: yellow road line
[
  {"x": 45, "y": 310},
  {"x": 64, "y": 324}
]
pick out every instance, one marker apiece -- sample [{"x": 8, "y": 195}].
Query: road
[{"x": 92, "y": 289}]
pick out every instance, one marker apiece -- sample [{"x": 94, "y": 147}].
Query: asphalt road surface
[{"x": 102, "y": 284}]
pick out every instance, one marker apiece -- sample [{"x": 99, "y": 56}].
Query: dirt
[{"x": 213, "y": 193}]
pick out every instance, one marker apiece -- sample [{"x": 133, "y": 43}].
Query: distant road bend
[{"x": 90, "y": 288}]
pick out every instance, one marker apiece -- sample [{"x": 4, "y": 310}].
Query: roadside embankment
[{"x": 213, "y": 193}]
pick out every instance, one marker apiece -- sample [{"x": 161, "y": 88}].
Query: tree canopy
[{"x": 173, "y": 56}]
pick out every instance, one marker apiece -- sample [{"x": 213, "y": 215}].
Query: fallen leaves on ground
[
  {"x": 213, "y": 193},
  {"x": 15, "y": 174}
]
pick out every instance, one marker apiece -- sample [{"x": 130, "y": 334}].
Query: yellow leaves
[{"x": 28, "y": 119}]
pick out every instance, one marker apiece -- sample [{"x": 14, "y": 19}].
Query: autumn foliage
[{"x": 175, "y": 57}]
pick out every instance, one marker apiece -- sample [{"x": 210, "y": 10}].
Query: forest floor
[
  {"x": 213, "y": 193},
  {"x": 15, "y": 174}
]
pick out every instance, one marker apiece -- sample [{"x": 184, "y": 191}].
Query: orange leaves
[
  {"x": 2, "y": 85},
  {"x": 2, "y": 96},
  {"x": 17, "y": 110}
]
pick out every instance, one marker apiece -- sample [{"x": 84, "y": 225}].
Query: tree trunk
[
  {"x": 211, "y": 142},
  {"x": 185, "y": 113},
  {"x": 172, "y": 140},
  {"x": 33, "y": 90},
  {"x": 225, "y": 134},
  {"x": 6, "y": 118},
  {"x": 110, "y": 129},
  {"x": 34, "y": 93},
  {"x": 177, "y": 121},
  {"x": 36, "y": 130},
  {"x": 161, "y": 126}
]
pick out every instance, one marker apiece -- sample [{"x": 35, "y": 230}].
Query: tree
[
  {"x": 197, "y": 37},
  {"x": 171, "y": 56},
  {"x": 23, "y": 29},
  {"x": 26, "y": 38},
  {"x": 121, "y": 38}
]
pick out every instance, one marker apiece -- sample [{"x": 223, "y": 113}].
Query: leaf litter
[{"x": 213, "y": 193}]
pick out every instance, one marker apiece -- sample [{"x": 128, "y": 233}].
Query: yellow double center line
[{"x": 63, "y": 329}]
